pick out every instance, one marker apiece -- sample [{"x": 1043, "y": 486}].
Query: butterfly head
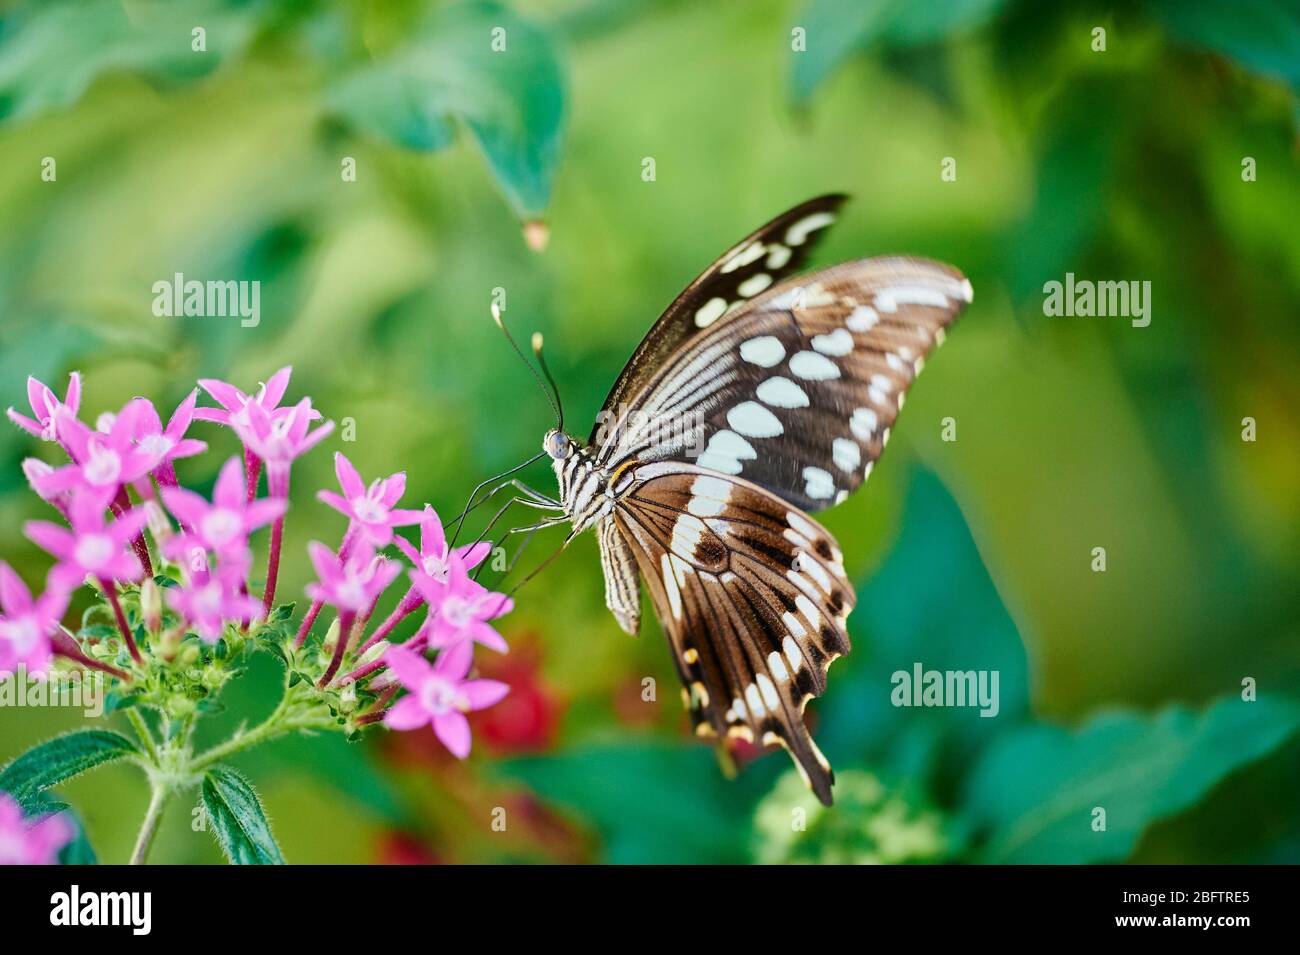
[{"x": 558, "y": 444}]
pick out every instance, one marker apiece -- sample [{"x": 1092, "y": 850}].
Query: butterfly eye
[{"x": 556, "y": 445}]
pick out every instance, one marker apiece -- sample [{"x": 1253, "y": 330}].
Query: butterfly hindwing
[
  {"x": 779, "y": 248},
  {"x": 622, "y": 586},
  {"x": 752, "y": 595},
  {"x": 799, "y": 389}
]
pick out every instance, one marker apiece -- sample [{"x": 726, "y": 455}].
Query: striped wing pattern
[
  {"x": 622, "y": 586},
  {"x": 779, "y": 248},
  {"x": 753, "y": 597},
  {"x": 799, "y": 390}
]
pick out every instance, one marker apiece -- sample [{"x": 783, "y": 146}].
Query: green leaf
[
  {"x": 60, "y": 759},
  {"x": 510, "y": 100},
  {"x": 1261, "y": 35},
  {"x": 236, "y": 816},
  {"x": 651, "y": 803},
  {"x": 836, "y": 29},
  {"x": 1033, "y": 795},
  {"x": 56, "y": 50},
  {"x": 933, "y": 603},
  {"x": 78, "y": 851}
]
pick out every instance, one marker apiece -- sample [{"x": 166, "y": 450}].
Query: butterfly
[{"x": 757, "y": 397}]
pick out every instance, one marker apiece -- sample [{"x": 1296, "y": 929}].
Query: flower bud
[
  {"x": 151, "y": 605},
  {"x": 331, "y": 637},
  {"x": 374, "y": 653},
  {"x": 160, "y": 528},
  {"x": 170, "y": 643}
]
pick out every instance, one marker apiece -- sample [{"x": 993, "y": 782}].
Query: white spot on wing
[
  {"x": 813, "y": 367},
  {"x": 809, "y": 610},
  {"x": 838, "y": 342},
  {"x": 777, "y": 666},
  {"x": 709, "y": 496},
  {"x": 710, "y": 312},
  {"x": 687, "y": 532},
  {"x": 781, "y": 392},
  {"x": 792, "y": 653},
  {"x": 793, "y": 625},
  {"x": 777, "y": 256},
  {"x": 670, "y": 585},
  {"x": 798, "y": 232},
  {"x": 754, "y": 284},
  {"x": 846, "y": 454},
  {"x": 764, "y": 351},
  {"x": 748, "y": 254},
  {"x": 888, "y": 300},
  {"x": 862, "y": 319},
  {"x": 725, "y": 451},
  {"x": 818, "y": 483},
  {"x": 863, "y": 423},
  {"x": 754, "y": 421}
]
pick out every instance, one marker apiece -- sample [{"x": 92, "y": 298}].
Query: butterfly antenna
[
  {"x": 496, "y": 317},
  {"x": 555, "y": 389}
]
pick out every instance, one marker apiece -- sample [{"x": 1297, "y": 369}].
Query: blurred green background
[{"x": 1119, "y": 689}]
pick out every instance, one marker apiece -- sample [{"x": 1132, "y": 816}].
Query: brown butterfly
[{"x": 755, "y": 398}]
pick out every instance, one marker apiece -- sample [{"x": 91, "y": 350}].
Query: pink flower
[
  {"x": 102, "y": 460},
  {"x": 224, "y": 525},
  {"x": 30, "y": 842},
  {"x": 36, "y": 470},
  {"x": 460, "y": 609},
  {"x": 434, "y": 557},
  {"x": 92, "y": 547},
  {"x": 27, "y": 624},
  {"x": 351, "y": 585},
  {"x": 370, "y": 509},
  {"x": 234, "y": 403},
  {"x": 48, "y": 408},
  {"x": 208, "y": 604},
  {"x": 440, "y": 694},
  {"x": 165, "y": 445},
  {"x": 281, "y": 437}
]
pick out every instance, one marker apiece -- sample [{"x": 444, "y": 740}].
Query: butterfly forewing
[
  {"x": 799, "y": 389},
  {"x": 753, "y": 597},
  {"x": 779, "y": 248}
]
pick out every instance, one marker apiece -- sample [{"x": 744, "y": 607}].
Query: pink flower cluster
[
  {"x": 458, "y": 608},
  {"x": 119, "y": 480}
]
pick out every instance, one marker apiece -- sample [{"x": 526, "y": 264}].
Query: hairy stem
[
  {"x": 149, "y": 828},
  {"x": 142, "y": 733}
]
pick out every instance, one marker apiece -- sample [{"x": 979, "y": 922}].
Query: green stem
[
  {"x": 281, "y": 722},
  {"x": 149, "y": 828},
  {"x": 142, "y": 732}
]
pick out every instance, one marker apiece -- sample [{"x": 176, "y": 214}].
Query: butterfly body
[{"x": 756, "y": 398}]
